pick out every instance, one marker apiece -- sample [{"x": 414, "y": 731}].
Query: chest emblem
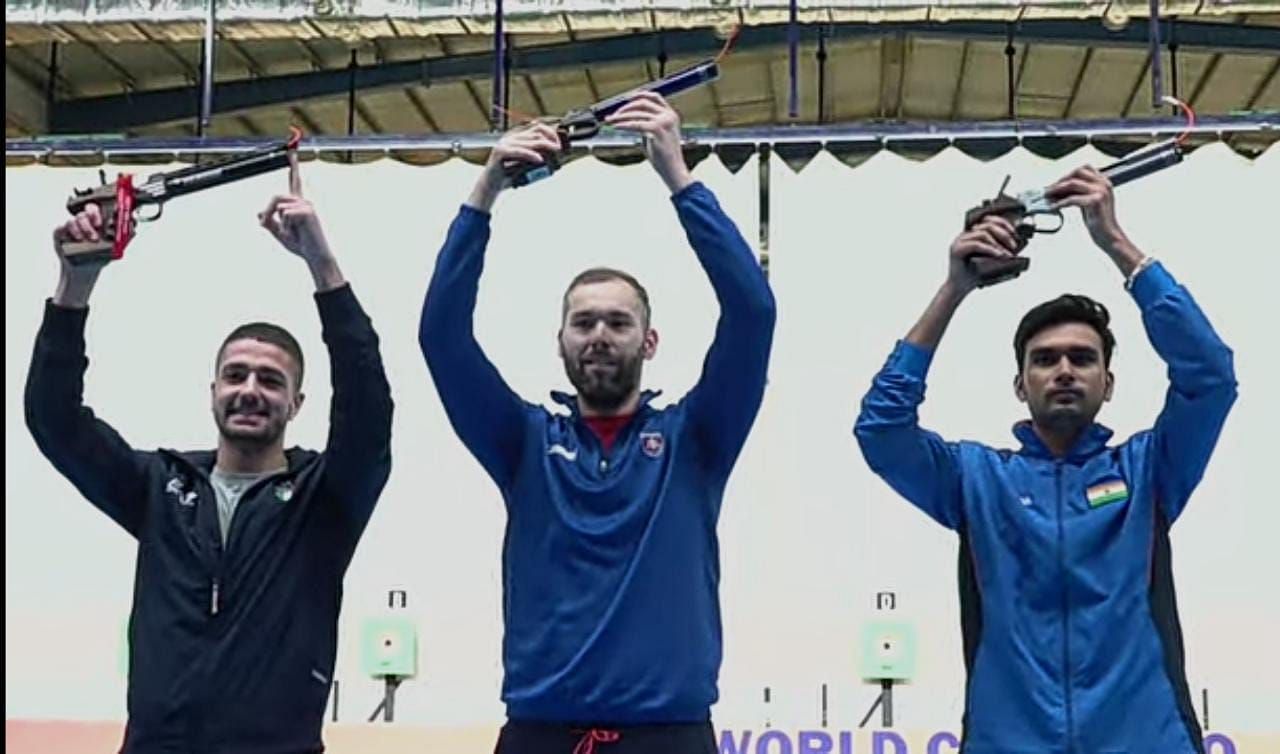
[
  {"x": 652, "y": 443},
  {"x": 1106, "y": 493},
  {"x": 563, "y": 452},
  {"x": 177, "y": 487}
]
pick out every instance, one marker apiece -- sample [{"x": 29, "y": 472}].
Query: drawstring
[{"x": 587, "y": 744}]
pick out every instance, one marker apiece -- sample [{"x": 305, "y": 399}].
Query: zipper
[{"x": 1066, "y": 615}]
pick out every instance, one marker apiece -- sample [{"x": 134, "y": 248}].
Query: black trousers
[{"x": 528, "y": 737}]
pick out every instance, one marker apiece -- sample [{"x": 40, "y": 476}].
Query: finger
[
  {"x": 94, "y": 213},
  {"x": 982, "y": 236},
  {"x": 644, "y": 125},
  {"x": 652, "y": 98},
  {"x": 273, "y": 226},
  {"x": 546, "y": 130},
  {"x": 85, "y": 226},
  {"x": 1079, "y": 200},
  {"x": 1089, "y": 172},
  {"x": 535, "y": 130},
  {"x": 1001, "y": 232},
  {"x": 70, "y": 230},
  {"x": 980, "y": 248},
  {"x": 544, "y": 135},
  {"x": 998, "y": 222},
  {"x": 519, "y": 154},
  {"x": 295, "y": 177},
  {"x": 273, "y": 206},
  {"x": 538, "y": 144},
  {"x": 637, "y": 107},
  {"x": 1068, "y": 187},
  {"x": 296, "y": 214}
]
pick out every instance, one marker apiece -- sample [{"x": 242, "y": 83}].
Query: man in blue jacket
[
  {"x": 241, "y": 550},
  {"x": 1071, "y": 634},
  {"x": 610, "y": 564}
]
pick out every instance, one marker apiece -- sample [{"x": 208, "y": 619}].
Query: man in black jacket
[{"x": 241, "y": 550}]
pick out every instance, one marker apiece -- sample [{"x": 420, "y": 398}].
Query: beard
[
  {"x": 604, "y": 380},
  {"x": 268, "y": 429},
  {"x": 1065, "y": 416}
]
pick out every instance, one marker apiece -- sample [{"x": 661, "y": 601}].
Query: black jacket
[{"x": 232, "y": 649}]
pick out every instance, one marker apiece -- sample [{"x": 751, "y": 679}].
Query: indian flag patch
[{"x": 1106, "y": 493}]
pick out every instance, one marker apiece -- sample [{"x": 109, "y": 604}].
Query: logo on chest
[
  {"x": 652, "y": 444},
  {"x": 563, "y": 452},
  {"x": 1106, "y": 493},
  {"x": 177, "y": 487},
  {"x": 284, "y": 491}
]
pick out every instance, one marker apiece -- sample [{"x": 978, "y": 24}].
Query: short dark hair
[
  {"x": 1068, "y": 307},
  {"x": 267, "y": 333},
  {"x": 604, "y": 275}
]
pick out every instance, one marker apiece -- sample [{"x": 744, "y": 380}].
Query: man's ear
[
  {"x": 650, "y": 347},
  {"x": 1019, "y": 388}
]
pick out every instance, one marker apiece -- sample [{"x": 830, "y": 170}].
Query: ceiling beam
[{"x": 137, "y": 108}]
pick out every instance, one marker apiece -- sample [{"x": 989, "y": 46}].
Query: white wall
[{"x": 808, "y": 533}]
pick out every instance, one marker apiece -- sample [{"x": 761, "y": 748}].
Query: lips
[{"x": 1066, "y": 395}]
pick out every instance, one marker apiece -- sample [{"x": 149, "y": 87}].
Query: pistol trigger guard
[
  {"x": 139, "y": 217},
  {"x": 1057, "y": 213},
  {"x": 586, "y": 130}
]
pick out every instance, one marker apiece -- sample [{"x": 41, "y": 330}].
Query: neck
[
  {"x": 625, "y": 408},
  {"x": 237, "y": 458},
  {"x": 1059, "y": 440}
]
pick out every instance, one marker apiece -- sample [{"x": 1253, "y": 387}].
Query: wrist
[
  {"x": 954, "y": 291},
  {"x": 74, "y": 289},
  {"x": 326, "y": 273},
  {"x": 487, "y": 188},
  {"x": 1124, "y": 254},
  {"x": 679, "y": 181}
]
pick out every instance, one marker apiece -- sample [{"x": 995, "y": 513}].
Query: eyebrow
[
  {"x": 1042, "y": 350},
  {"x": 576, "y": 313},
  {"x": 241, "y": 365}
]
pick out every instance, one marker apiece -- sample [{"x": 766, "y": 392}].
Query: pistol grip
[
  {"x": 105, "y": 249},
  {"x": 79, "y": 253},
  {"x": 523, "y": 173},
  {"x": 991, "y": 271}
]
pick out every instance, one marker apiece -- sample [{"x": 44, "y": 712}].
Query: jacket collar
[{"x": 1091, "y": 442}]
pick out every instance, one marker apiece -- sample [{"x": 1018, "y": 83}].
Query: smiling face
[{"x": 255, "y": 393}]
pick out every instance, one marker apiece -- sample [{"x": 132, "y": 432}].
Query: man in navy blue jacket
[
  {"x": 241, "y": 550},
  {"x": 610, "y": 564},
  {"x": 1071, "y": 634}
]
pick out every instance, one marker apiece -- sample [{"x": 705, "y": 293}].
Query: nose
[
  {"x": 249, "y": 391},
  {"x": 1063, "y": 372}
]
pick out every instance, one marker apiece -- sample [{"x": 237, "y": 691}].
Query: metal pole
[
  {"x": 499, "y": 58},
  {"x": 793, "y": 45},
  {"x": 351, "y": 98},
  {"x": 206, "y": 83},
  {"x": 1173, "y": 62},
  {"x": 763, "y": 180},
  {"x": 844, "y": 133},
  {"x": 1009, "y": 52},
  {"x": 50, "y": 86},
  {"x": 1157, "y": 67},
  {"x": 822, "y": 75},
  {"x": 506, "y": 83}
]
